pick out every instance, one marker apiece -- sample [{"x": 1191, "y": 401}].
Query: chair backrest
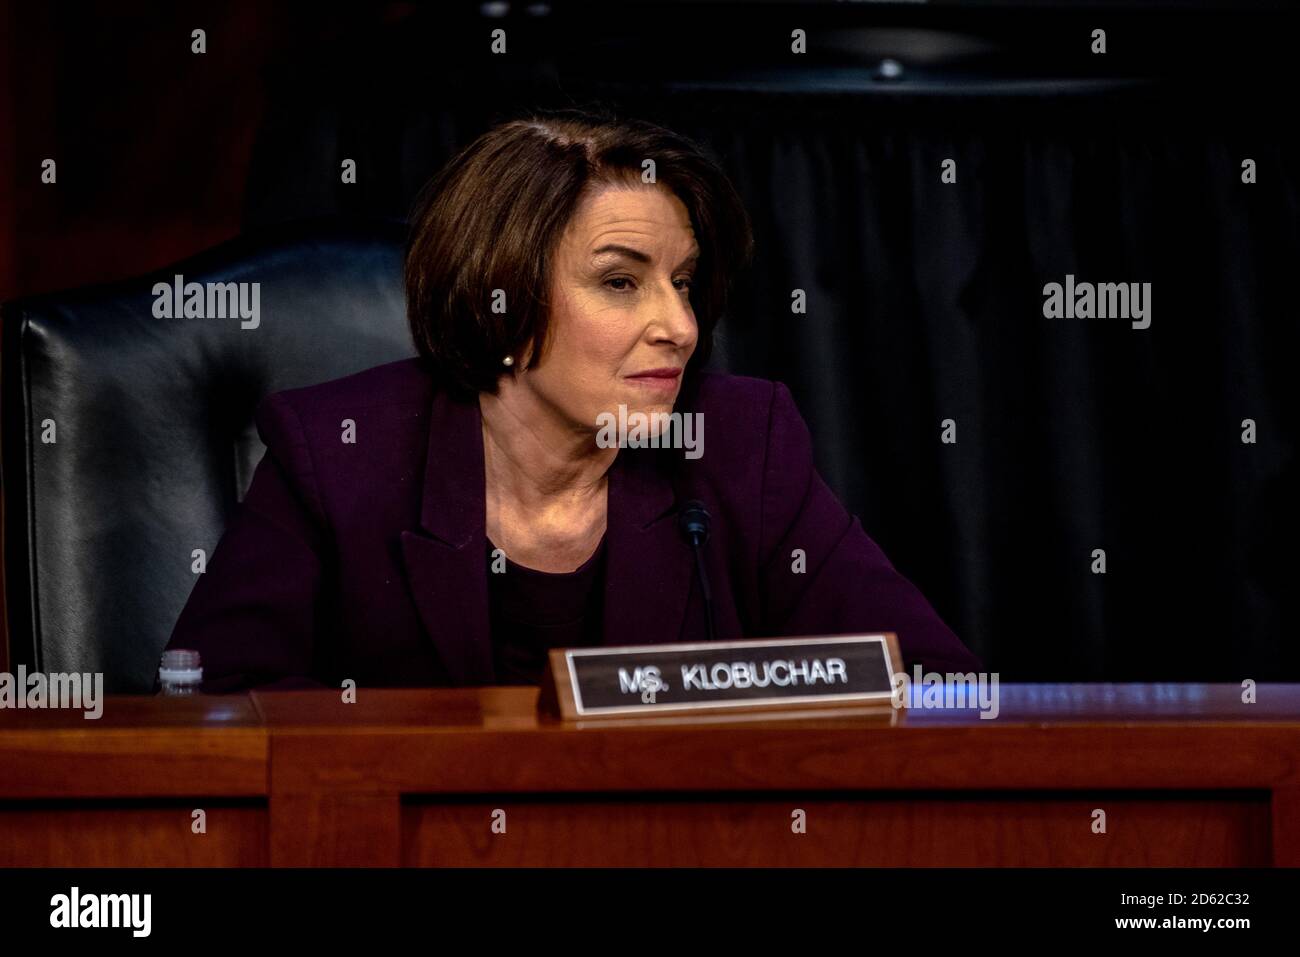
[{"x": 128, "y": 436}]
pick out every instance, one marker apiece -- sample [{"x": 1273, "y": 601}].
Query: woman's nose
[{"x": 674, "y": 316}]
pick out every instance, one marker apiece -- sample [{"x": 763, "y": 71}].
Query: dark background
[{"x": 924, "y": 299}]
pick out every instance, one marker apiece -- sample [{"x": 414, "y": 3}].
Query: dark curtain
[{"x": 925, "y": 303}]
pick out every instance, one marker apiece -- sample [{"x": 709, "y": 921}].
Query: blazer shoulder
[
  {"x": 742, "y": 419},
  {"x": 403, "y": 382},
  {"x": 745, "y": 407},
  {"x": 384, "y": 410},
  {"x": 356, "y": 438},
  {"x": 735, "y": 395}
]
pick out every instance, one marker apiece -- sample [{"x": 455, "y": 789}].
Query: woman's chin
[{"x": 634, "y": 417}]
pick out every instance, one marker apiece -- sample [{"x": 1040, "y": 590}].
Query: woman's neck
[{"x": 536, "y": 458}]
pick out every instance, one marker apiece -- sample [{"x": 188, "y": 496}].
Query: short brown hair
[{"x": 492, "y": 218}]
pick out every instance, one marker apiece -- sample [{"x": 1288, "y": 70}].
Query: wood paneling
[
  {"x": 1187, "y": 775},
  {"x": 132, "y": 834},
  {"x": 967, "y": 830}
]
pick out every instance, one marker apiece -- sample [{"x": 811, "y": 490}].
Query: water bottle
[{"x": 180, "y": 672}]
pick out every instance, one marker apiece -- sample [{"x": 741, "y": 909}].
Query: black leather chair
[{"x": 151, "y": 421}]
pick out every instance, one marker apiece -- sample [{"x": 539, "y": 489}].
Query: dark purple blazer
[{"x": 367, "y": 560}]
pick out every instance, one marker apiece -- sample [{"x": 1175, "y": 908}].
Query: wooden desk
[
  {"x": 119, "y": 791},
  {"x": 1186, "y": 776}
]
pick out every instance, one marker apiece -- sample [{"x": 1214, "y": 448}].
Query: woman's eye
[{"x": 687, "y": 281}]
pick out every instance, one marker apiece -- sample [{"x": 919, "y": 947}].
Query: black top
[{"x": 533, "y": 611}]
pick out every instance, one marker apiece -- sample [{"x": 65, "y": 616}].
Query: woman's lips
[{"x": 658, "y": 380}]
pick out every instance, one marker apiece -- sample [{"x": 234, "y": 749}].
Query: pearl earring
[{"x": 508, "y": 361}]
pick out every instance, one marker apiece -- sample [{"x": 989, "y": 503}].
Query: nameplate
[{"x": 759, "y": 674}]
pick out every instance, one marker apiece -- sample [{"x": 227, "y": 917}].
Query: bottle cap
[{"x": 180, "y": 665}]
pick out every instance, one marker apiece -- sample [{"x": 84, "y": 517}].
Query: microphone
[{"x": 693, "y": 523}]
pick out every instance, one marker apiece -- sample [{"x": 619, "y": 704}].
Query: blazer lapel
[
  {"x": 648, "y": 565},
  {"x": 446, "y": 559}
]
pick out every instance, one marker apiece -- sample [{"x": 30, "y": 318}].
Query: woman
[{"x": 447, "y": 519}]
